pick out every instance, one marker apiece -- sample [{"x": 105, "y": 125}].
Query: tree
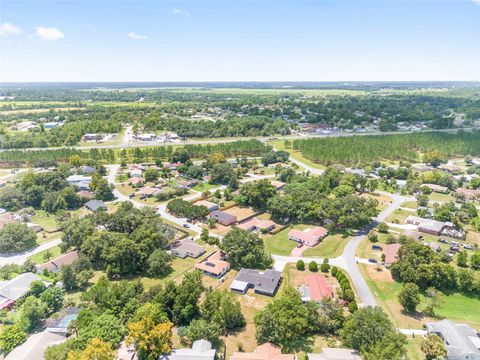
[
  {"x": 53, "y": 298},
  {"x": 16, "y": 237},
  {"x": 202, "y": 329},
  {"x": 462, "y": 259},
  {"x": 222, "y": 173},
  {"x": 75, "y": 230},
  {"x": 382, "y": 228},
  {"x": 220, "y": 307},
  {"x": 11, "y": 337},
  {"x": 433, "y": 347},
  {"x": 434, "y": 158},
  {"x": 106, "y": 327},
  {"x": 373, "y": 237},
  {"x": 409, "y": 297},
  {"x": 103, "y": 191},
  {"x": 286, "y": 320},
  {"x": 369, "y": 326},
  {"x": 245, "y": 249},
  {"x": 257, "y": 193},
  {"x": 159, "y": 263},
  {"x": 475, "y": 260},
  {"x": 434, "y": 300},
  {"x": 300, "y": 265},
  {"x": 37, "y": 287},
  {"x": 151, "y": 175},
  {"x": 96, "y": 349},
  {"x": 150, "y": 339},
  {"x": 313, "y": 266},
  {"x": 187, "y": 295},
  {"x": 422, "y": 200},
  {"x": 32, "y": 312}
]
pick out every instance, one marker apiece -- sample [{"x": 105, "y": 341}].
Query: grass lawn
[
  {"x": 437, "y": 197},
  {"x": 45, "y": 220},
  {"x": 413, "y": 348},
  {"x": 330, "y": 247},
  {"x": 39, "y": 258},
  {"x": 279, "y": 243},
  {"x": 296, "y": 154},
  {"x": 410, "y": 205},
  {"x": 44, "y": 237},
  {"x": 399, "y": 215},
  {"x": 203, "y": 186}
]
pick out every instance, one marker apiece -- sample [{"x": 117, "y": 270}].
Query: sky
[{"x": 235, "y": 40}]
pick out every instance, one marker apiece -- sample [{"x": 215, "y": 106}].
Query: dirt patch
[
  {"x": 384, "y": 275},
  {"x": 241, "y": 212}
]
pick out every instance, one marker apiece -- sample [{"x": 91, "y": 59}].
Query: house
[
  {"x": 208, "y": 204},
  {"x": 136, "y": 173},
  {"x": 257, "y": 224},
  {"x": 79, "y": 180},
  {"x": 309, "y": 237},
  {"x": 437, "y": 188},
  {"x": 391, "y": 251},
  {"x": 149, "y": 191},
  {"x": 185, "y": 248},
  {"x": 86, "y": 169},
  {"x": 137, "y": 167},
  {"x": 265, "y": 351},
  {"x": 262, "y": 282},
  {"x": 85, "y": 194},
  {"x": 34, "y": 347},
  {"x": 95, "y": 205},
  {"x": 214, "y": 265},
  {"x": 34, "y": 227},
  {"x": 223, "y": 218},
  {"x": 279, "y": 185},
  {"x": 92, "y": 137},
  {"x": 52, "y": 124},
  {"x": 336, "y": 354},
  {"x": 55, "y": 264},
  {"x": 316, "y": 288},
  {"x": 461, "y": 341},
  {"x": 16, "y": 288},
  {"x": 183, "y": 184},
  {"x": 470, "y": 194},
  {"x": 427, "y": 226},
  {"x": 59, "y": 325},
  {"x": 449, "y": 167},
  {"x": 134, "y": 181},
  {"x": 201, "y": 350}
]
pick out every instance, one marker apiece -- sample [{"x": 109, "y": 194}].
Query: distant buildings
[
  {"x": 257, "y": 224},
  {"x": 262, "y": 282},
  {"x": 434, "y": 227},
  {"x": 95, "y": 205},
  {"x": 316, "y": 288},
  {"x": 81, "y": 181},
  {"x": 201, "y": 350},
  {"x": 461, "y": 341},
  {"x": 16, "y": 288},
  {"x": 214, "y": 265},
  {"x": 391, "y": 251},
  {"x": 185, "y": 248},
  {"x": 223, "y": 218},
  {"x": 470, "y": 194},
  {"x": 55, "y": 264},
  {"x": 309, "y": 237}
]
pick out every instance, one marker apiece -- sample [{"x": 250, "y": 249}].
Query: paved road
[
  {"x": 128, "y": 144},
  {"x": 19, "y": 259}
]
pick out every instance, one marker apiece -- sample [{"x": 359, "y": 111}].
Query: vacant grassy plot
[
  {"x": 410, "y": 205},
  {"x": 241, "y": 212},
  {"x": 414, "y": 352},
  {"x": 330, "y": 247},
  {"x": 383, "y": 200},
  {"x": 41, "y": 257},
  {"x": 204, "y": 186},
  {"x": 399, "y": 215},
  {"x": 45, "y": 220},
  {"x": 440, "y": 198}
]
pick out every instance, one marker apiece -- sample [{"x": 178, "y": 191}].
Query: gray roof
[
  {"x": 19, "y": 286},
  {"x": 87, "y": 169},
  {"x": 460, "y": 339},
  {"x": 35, "y": 346},
  {"x": 335, "y": 354},
  {"x": 223, "y": 216},
  {"x": 201, "y": 350},
  {"x": 188, "y": 247},
  {"x": 95, "y": 205},
  {"x": 265, "y": 282}
]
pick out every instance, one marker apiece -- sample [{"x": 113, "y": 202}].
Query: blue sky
[{"x": 234, "y": 40}]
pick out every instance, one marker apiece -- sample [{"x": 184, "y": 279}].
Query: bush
[
  {"x": 373, "y": 237},
  {"x": 334, "y": 271},
  {"x": 352, "y": 307},
  {"x": 300, "y": 265},
  {"x": 324, "y": 268},
  {"x": 383, "y": 228},
  {"x": 348, "y": 295},
  {"x": 313, "y": 266},
  {"x": 391, "y": 239}
]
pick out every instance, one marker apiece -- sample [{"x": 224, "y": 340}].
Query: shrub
[
  {"x": 300, "y": 265},
  {"x": 373, "y": 237},
  {"x": 324, "y": 268},
  {"x": 383, "y": 228},
  {"x": 348, "y": 295},
  {"x": 352, "y": 307},
  {"x": 334, "y": 271},
  {"x": 313, "y": 266}
]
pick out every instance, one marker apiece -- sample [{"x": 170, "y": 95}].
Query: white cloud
[
  {"x": 135, "y": 36},
  {"x": 476, "y": 1},
  {"x": 7, "y": 28},
  {"x": 49, "y": 33},
  {"x": 177, "y": 11}
]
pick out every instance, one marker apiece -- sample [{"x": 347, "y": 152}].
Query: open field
[
  {"x": 279, "y": 145},
  {"x": 330, "y": 247},
  {"x": 45, "y": 220},
  {"x": 37, "y": 111},
  {"x": 279, "y": 91}
]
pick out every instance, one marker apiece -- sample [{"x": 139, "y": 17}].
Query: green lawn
[
  {"x": 399, "y": 215},
  {"x": 413, "y": 348},
  {"x": 330, "y": 247},
  {"x": 437, "y": 197},
  {"x": 40, "y": 258},
  {"x": 279, "y": 243},
  {"x": 410, "y": 205},
  {"x": 45, "y": 220},
  {"x": 203, "y": 186}
]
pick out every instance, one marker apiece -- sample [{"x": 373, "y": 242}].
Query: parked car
[
  {"x": 186, "y": 225},
  {"x": 443, "y": 241},
  {"x": 468, "y": 247},
  {"x": 376, "y": 247},
  {"x": 373, "y": 260}
]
